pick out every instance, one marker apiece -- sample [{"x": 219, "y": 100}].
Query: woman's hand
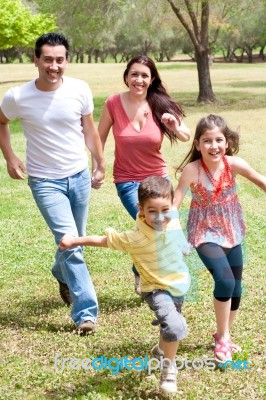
[
  {"x": 180, "y": 129},
  {"x": 97, "y": 178}
]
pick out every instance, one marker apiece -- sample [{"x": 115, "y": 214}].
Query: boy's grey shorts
[{"x": 167, "y": 309}]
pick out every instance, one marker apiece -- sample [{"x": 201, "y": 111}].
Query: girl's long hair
[
  {"x": 208, "y": 123},
  {"x": 158, "y": 99}
]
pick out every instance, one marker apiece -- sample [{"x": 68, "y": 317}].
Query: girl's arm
[
  {"x": 241, "y": 167},
  {"x": 184, "y": 183},
  {"x": 68, "y": 241}
]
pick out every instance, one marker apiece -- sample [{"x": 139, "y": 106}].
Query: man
[{"x": 56, "y": 115}]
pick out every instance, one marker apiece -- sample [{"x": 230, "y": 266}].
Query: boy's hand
[
  {"x": 66, "y": 242},
  {"x": 187, "y": 249}
]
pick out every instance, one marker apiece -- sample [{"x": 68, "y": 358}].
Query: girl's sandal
[
  {"x": 235, "y": 348},
  {"x": 222, "y": 348}
]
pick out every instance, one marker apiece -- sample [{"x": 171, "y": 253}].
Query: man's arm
[
  {"x": 104, "y": 127},
  {"x": 15, "y": 166},
  {"x": 93, "y": 142}
]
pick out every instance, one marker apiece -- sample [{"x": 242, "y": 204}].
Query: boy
[{"x": 155, "y": 245}]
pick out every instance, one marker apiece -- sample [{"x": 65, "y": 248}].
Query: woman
[{"x": 140, "y": 118}]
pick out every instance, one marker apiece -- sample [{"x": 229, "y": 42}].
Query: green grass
[{"x": 35, "y": 325}]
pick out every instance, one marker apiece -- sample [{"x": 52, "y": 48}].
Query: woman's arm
[
  {"x": 181, "y": 130},
  {"x": 241, "y": 167},
  {"x": 105, "y": 125},
  {"x": 68, "y": 241}
]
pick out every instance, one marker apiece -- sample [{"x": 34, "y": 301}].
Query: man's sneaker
[
  {"x": 86, "y": 327},
  {"x": 168, "y": 382},
  {"x": 65, "y": 293},
  {"x": 137, "y": 285},
  {"x": 157, "y": 352}
]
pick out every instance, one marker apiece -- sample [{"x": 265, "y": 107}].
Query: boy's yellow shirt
[{"x": 157, "y": 255}]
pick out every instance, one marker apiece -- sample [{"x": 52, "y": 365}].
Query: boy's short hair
[{"x": 154, "y": 187}]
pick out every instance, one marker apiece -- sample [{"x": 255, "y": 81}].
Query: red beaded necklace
[{"x": 225, "y": 177}]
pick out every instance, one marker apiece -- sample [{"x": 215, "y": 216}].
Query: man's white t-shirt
[{"x": 52, "y": 126}]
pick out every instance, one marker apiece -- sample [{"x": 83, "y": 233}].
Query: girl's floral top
[{"x": 215, "y": 212}]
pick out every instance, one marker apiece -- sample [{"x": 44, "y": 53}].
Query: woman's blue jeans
[
  {"x": 128, "y": 194},
  {"x": 63, "y": 204}
]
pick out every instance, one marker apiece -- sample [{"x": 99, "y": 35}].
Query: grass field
[{"x": 34, "y": 324}]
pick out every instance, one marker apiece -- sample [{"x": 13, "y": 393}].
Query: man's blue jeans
[{"x": 63, "y": 204}]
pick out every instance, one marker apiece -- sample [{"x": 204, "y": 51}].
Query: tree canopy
[
  {"x": 121, "y": 29},
  {"x": 19, "y": 27}
]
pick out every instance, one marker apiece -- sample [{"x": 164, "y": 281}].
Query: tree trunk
[
  {"x": 261, "y": 55},
  {"x": 249, "y": 54},
  {"x": 199, "y": 36},
  {"x": 19, "y": 55},
  {"x": 96, "y": 55},
  {"x": 206, "y": 94}
]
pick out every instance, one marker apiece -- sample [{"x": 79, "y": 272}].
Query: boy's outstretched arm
[{"x": 68, "y": 241}]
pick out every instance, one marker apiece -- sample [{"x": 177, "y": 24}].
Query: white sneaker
[
  {"x": 168, "y": 382},
  {"x": 137, "y": 285},
  {"x": 157, "y": 352}
]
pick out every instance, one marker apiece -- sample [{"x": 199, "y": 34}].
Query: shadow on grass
[
  {"x": 17, "y": 82},
  {"x": 26, "y": 312},
  {"x": 32, "y": 313},
  {"x": 226, "y": 101},
  {"x": 109, "y": 303},
  {"x": 124, "y": 383},
  {"x": 125, "y": 386},
  {"x": 252, "y": 84}
]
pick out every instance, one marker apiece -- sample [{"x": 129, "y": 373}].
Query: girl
[{"x": 215, "y": 223}]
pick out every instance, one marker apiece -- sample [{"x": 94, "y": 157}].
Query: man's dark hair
[
  {"x": 155, "y": 187},
  {"x": 52, "y": 39}
]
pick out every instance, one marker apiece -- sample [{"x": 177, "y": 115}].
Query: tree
[
  {"x": 86, "y": 23},
  {"x": 18, "y": 27},
  {"x": 241, "y": 27},
  {"x": 197, "y": 26},
  {"x": 251, "y": 27}
]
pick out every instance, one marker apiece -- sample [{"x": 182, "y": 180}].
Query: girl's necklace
[{"x": 217, "y": 185}]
